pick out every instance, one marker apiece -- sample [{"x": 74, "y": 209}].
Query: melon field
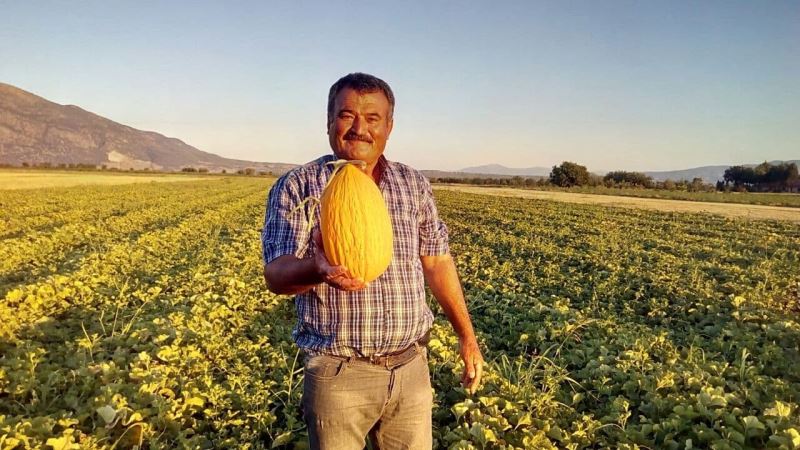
[{"x": 136, "y": 316}]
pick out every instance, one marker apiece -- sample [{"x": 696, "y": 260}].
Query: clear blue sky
[{"x": 612, "y": 84}]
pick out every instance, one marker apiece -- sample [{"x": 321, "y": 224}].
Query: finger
[
  {"x": 316, "y": 236},
  {"x": 344, "y": 281},
  {"x": 476, "y": 380},
  {"x": 340, "y": 278},
  {"x": 337, "y": 272},
  {"x": 469, "y": 371},
  {"x": 352, "y": 284}
]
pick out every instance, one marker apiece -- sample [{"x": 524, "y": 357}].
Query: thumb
[
  {"x": 469, "y": 367},
  {"x": 316, "y": 236}
]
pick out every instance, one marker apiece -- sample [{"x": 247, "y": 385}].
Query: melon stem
[{"x": 337, "y": 165}]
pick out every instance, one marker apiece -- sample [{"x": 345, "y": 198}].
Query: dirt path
[{"x": 735, "y": 210}]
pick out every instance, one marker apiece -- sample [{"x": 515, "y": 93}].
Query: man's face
[{"x": 360, "y": 125}]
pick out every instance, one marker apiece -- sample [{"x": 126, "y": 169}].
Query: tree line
[
  {"x": 762, "y": 178},
  {"x": 249, "y": 171}
]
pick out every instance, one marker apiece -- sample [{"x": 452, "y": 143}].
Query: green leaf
[
  {"x": 282, "y": 439},
  {"x": 195, "y": 401},
  {"x": 63, "y": 443},
  {"x": 752, "y": 423},
  {"x": 107, "y": 413},
  {"x": 482, "y": 434},
  {"x": 459, "y": 409},
  {"x": 779, "y": 410},
  {"x": 794, "y": 435}
]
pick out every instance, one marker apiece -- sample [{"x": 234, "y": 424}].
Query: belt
[{"x": 397, "y": 358}]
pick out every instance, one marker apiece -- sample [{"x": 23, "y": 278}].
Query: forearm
[
  {"x": 290, "y": 275},
  {"x": 442, "y": 278}
]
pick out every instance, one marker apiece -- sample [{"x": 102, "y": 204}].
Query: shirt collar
[{"x": 387, "y": 168}]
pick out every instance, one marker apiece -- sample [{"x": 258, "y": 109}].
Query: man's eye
[{"x": 346, "y": 116}]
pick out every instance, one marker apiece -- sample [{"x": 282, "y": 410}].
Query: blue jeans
[{"x": 344, "y": 401}]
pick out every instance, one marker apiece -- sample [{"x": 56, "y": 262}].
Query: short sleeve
[
  {"x": 432, "y": 231},
  {"x": 285, "y": 226}
]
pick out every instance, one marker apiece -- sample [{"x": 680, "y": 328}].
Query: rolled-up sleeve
[
  {"x": 432, "y": 231},
  {"x": 285, "y": 226}
]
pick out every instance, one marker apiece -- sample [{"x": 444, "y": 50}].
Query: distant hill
[
  {"x": 447, "y": 174},
  {"x": 35, "y": 130},
  {"x": 497, "y": 169},
  {"x": 709, "y": 174}
]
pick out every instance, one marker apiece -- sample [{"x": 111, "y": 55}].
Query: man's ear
[{"x": 390, "y": 126}]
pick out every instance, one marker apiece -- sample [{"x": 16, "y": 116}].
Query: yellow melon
[{"x": 355, "y": 224}]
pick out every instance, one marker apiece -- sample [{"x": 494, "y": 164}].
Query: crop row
[{"x": 602, "y": 328}]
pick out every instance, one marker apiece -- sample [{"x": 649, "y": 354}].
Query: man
[{"x": 366, "y": 370}]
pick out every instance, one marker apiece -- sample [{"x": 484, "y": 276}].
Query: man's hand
[
  {"x": 336, "y": 276},
  {"x": 473, "y": 364}
]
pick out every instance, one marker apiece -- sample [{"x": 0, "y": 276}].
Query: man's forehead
[{"x": 352, "y": 97}]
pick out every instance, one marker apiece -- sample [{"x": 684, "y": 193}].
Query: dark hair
[{"x": 362, "y": 83}]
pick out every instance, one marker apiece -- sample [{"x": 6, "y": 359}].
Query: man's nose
[{"x": 359, "y": 126}]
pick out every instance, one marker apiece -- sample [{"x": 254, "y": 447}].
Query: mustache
[{"x": 357, "y": 137}]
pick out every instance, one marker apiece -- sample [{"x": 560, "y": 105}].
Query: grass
[
  {"x": 750, "y": 198},
  {"x": 37, "y": 178}
]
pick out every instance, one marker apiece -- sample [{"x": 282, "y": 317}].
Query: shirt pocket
[{"x": 405, "y": 230}]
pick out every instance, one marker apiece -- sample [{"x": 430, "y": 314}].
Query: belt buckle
[{"x": 375, "y": 359}]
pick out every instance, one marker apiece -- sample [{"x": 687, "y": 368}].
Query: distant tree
[
  {"x": 595, "y": 180},
  {"x": 188, "y": 169},
  {"x": 569, "y": 174},
  {"x": 249, "y": 171},
  {"x": 224, "y": 171},
  {"x": 621, "y": 177},
  {"x": 779, "y": 177},
  {"x": 697, "y": 185},
  {"x": 764, "y": 177},
  {"x": 739, "y": 176},
  {"x": 203, "y": 170},
  {"x": 26, "y": 164}
]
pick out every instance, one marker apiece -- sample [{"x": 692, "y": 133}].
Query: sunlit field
[
  {"x": 31, "y": 179},
  {"x": 136, "y": 315}
]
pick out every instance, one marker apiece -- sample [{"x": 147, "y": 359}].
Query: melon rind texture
[{"x": 355, "y": 224}]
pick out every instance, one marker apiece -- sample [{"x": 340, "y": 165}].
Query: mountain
[
  {"x": 709, "y": 174},
  {"x": 497, "y": 169},
  {"x": 465, "y": 175},
  {"x": 35, "y": 130}
]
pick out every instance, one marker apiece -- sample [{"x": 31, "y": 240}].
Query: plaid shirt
[{"x": 390, "y": 313}]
